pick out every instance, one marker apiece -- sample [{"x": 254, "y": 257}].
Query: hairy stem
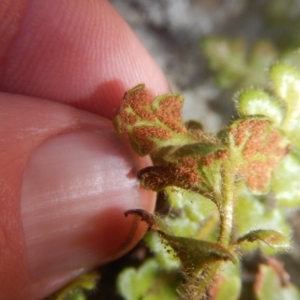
[
  {"x": 226, "y": 202},
  {"x": 226, "y": 205},
  {"x": 202, "y": 282}
]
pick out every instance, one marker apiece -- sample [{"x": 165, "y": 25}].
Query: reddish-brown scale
[
  {"x": 138, "y": 100},
  {"x": 129, "y": 118},
  {"x": 189, "y": 162},
  {"x": 274, "y": 145},
  {"x": 143, "y": 135},
  {"x": 146, "y": 145},
  {"x": 152, "y": 131},
  {"x": 254, "y": 127},
  {"x": 264, "y": 143},
  {"x": 208, "y": 160},
  {"x": 123, "y": 127},
  {"x": 257, "y": 175},
  {"x": 186, "y": 178},
  {"x": 120, "y": 118},
  {"x": 123, "y": 116},
  {"x": 159, "y": 177},
  {"x": 239, "y": 133},
  {"x": 257, "y": 139},
  {"x": 222, "y": 154},
  {"x": 169, "y": 112}
]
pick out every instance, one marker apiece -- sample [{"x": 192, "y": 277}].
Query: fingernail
[{"x": 75, "y": 190}]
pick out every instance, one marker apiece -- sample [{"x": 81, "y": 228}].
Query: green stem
[
  {"x": 202, "y": 283},
  {"x": 226, "y": 205},
  {"x": 226, "y": 202}
]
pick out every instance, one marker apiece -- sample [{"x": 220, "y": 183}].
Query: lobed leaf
[
  {"x": 271, "y": 237},
  {"x": 252, "y": 214},
  {"x": 194, "y": 206},
  {"x": 285, "y": 182},
  {"x": 258, "y": 102},
  {"x": 286, "y": 81},
  {"x": 151, "y": 125},
  {"x": 147, "y": 282},
  {"x": 256, "y": 148},
  {"x": 194, "y": 254},
  {"x": 191, "y": 215}
]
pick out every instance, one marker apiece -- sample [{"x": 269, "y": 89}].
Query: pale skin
[{"x": 64, "y": 66}]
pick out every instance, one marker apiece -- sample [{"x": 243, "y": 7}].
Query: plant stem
[
  {"x": 226, "y": 202},
  {"x": 226, "y": 205},
  {"x": 201, "y": 283}
]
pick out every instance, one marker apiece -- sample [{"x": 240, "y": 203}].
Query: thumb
[{"x": 70, "y": 179}]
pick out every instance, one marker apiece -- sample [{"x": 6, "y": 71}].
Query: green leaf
[
  {"x": 256, "y": 148},
  {"x": 75, "y": 290},
  {"x": 270, "y": 237},
  {"x": 197, "y": 218},
  {"x": 227, "y": 284},
  {"x": 285, "y": 182},
  {"x": 151, "y": 125},
  {"x": 132, "y": 283},
  {"x": 191, "y": 215},
  {"x": 147, "y": 282},
  {"x": 258, "y": 102},
  {"x": 196, "y": 254},
  {"x": 164, "y": 254},
  {"x": 195, "y": 207},
  {"x": 253, "y": 214},
  {"x": 269, "y": 285},
  {"x": 286, "y": 81}
]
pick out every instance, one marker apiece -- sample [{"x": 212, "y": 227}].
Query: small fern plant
[{"x": 226, "y": 193}]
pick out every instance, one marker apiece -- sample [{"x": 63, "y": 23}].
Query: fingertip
[
  {"x": 77, "y": 52},
  {"x": 76, "y": 188},
  {"x": 66, "y": 180}
]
